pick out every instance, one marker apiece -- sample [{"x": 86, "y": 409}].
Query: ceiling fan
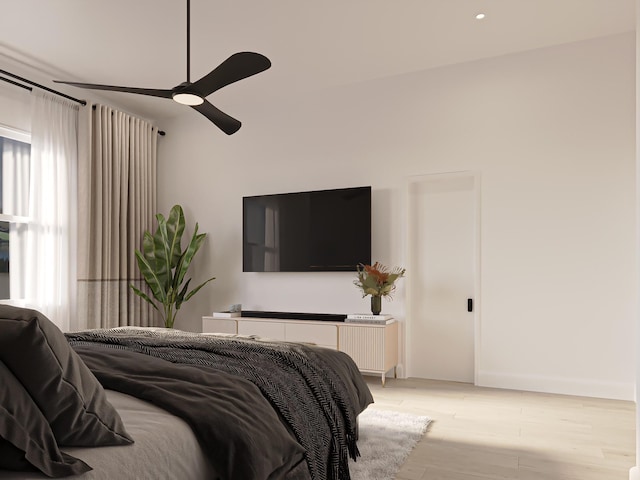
[{"x": 236, "y": 67}]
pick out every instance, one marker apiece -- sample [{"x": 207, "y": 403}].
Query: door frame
[{"x": 411, "y": 263}]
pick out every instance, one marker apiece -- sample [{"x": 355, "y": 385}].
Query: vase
[{"x": 376, "y": 304}]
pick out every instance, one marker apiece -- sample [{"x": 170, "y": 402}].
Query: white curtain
[
  {"x": 47, "y": 262},
  {"x": 117, "y": 203},
  {"x": 16, "y": 159},
  {"x": 15, "y": 177}
]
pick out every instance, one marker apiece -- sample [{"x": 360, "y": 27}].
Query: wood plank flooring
[{"x": 485, "y": 433}]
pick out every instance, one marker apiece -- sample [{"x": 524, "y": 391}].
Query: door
[{"x": 442, "y": 249}]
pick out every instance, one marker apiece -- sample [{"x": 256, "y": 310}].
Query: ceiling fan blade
[
  {"x": 153, "y": 92},
  {"x": 236, "y": 67},
  {"x": 224, "y": 122}
]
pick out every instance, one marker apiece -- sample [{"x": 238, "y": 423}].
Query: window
[{"x": 15, "y": 150}]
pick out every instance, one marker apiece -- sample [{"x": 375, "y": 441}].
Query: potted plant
[
  {"x": 164, "y": 265},
  {"x": 378, "y": 281}
]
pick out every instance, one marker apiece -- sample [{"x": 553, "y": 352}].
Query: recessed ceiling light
[{"x": 480, "y": 16}]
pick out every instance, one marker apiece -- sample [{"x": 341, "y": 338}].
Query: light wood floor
[{"x": 484, "y": 433}]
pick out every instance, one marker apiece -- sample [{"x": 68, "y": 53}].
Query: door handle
[{"x": 469, "y": 304}]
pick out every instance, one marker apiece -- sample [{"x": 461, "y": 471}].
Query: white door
[{"x": 442, "y": 248}]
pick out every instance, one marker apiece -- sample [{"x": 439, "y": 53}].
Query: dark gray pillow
[
  {"x": 60, "y": 384},
  {"x": 26, "y": 440}
]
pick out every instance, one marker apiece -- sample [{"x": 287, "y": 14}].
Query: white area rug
[{"x": 386, "y": 438}]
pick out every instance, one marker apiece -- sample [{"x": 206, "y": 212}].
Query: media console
[{"x": 373, "y": 347}]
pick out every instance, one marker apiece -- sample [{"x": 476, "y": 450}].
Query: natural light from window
[{"x": 15, "y": 149}]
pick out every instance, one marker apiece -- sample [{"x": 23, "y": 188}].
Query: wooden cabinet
[
  {"x": 272, "y": 330},
  {"x": 324, "y": 334},
  {"x": 219, "y": 325},
  {"x": 318, "y": 333},
  {"x": 373, "y": 347}
]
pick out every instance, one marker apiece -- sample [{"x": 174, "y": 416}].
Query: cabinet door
[
  {"x": 323, "y": 335},
  {"x": 218, "y": 325},
  {"x": 268, "y": 330},
  {"x": 365, "y": 345}
]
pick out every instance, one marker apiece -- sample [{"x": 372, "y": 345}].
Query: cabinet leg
[
  {"x": 395, "y": 372},
  {"x": 384, "y": 379}
]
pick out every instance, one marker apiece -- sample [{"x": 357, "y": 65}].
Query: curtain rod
[
  {"x": 8, "y": 80},
  {"x": 81, "y": 102},
  {"x": 160, "y": 132},
  {"x": 29, "y": 82}
]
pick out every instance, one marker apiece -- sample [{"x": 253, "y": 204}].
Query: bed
[{"x": 159, "y": 403}]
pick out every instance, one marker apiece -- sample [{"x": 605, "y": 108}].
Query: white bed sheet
[{"x": 165, "y": 448}]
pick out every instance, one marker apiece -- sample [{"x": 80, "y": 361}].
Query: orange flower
[
  {"x": 378, "y": 271},
  {"x": 377, "y": 279}
]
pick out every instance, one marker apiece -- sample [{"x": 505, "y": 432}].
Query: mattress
[{"x": 165, "y": 448}]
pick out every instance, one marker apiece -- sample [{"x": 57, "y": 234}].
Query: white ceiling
[{"x": 312, "y": 45}]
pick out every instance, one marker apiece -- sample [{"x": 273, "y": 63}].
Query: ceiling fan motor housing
[{"x": 187, "y": 95}]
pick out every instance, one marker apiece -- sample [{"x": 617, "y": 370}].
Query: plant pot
[{"x": 376, "y": 304}]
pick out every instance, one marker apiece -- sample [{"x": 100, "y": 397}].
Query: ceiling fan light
[{"x": 188, "y": 99}]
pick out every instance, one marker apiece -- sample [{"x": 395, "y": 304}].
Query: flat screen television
[{"x": 318, "y": 231}]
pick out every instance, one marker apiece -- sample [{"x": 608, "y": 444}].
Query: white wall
[{"x": 551, "y": 133}]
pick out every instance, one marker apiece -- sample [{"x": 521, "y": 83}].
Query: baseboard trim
[{"x": 560, "y": 385}]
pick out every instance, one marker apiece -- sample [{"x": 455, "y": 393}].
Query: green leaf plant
[{"x": 164, "y": 265}]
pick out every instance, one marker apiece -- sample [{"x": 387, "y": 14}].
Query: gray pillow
[
  {"x": 26, "y": 440},
  {"x": 60, "y": 384}
]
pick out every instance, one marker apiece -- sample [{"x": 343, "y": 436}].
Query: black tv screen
[{"x": 319, "y": 231}]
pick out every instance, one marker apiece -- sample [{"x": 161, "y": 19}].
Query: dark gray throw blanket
[{"x": 317, "y": 392}]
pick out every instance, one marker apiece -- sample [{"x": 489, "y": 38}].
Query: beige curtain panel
[{"x": 116, "y": 204}]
